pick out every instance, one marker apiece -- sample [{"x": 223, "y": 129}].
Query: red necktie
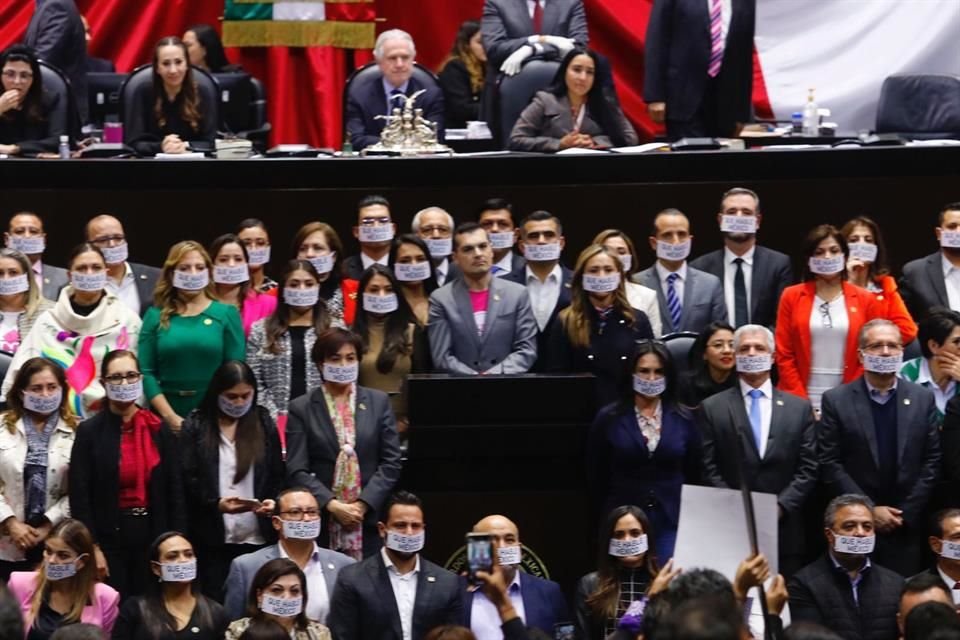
[{"x": 537, "y": 17}]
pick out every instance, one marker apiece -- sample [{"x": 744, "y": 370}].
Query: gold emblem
[{"x": 207, "y": 321}]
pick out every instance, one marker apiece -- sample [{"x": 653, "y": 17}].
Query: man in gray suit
[
  {"x": 297, "y": 522},
  {"x": 517, "y": 29},
  {"x": 934, "y": 281},
  {"x": 25, "y": 234},
  {"x": 689, "y": 299},
  {"x": 480, "y": 324}
]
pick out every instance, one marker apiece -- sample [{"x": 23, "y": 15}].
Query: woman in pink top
[
  {"x": 65, "y": 589},
  {"x": 231, "y": 277}
]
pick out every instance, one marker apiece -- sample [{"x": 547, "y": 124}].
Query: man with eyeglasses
[
  {"x": 133, "y": 283},
  {"x": 435, "y": 227},
  {"x": 297, "y": 523},
  {"x": 374, "y": 230},
  {"x": 878, "y": 437}
]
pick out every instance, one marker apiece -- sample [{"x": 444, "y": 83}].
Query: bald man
[
  {"x": 131, "y": 282},
  {"x": 537, "y": 601}
]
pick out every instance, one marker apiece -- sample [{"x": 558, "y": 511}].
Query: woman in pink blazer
[
  {"x": 65, "y": 589},
  {"x": 231, "y": 277}
]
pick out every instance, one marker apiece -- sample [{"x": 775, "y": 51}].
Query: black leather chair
[
  {"x": 514, "y": 93},
  {"x": 55, "y": 82},
  {"x": 423, "y": 75},
  {"x": 679, "y": 345},
  {"x": 243, "y": 106},
  {"x": 920, "y": 106}
]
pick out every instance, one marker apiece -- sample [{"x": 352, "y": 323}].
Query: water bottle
[
  {"x": 796, "y": 119},
  {"x": 811, "y": 119},
  {"x": 64, "y": 148},
  {"x": 347, "y": 149}
]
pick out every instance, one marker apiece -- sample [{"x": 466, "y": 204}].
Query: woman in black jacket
[
  {"x": 125, "y": 476},
  {"x": 30, "y": 122},
  {"x": 462, "y": 76}
]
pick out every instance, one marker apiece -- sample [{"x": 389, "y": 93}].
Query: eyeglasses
[
  {"x": 120, "y": 378},
  {"x": 10, "y": 74},
  {"x": 298, "y": 514},
  {"x": 825, "y": 319}
]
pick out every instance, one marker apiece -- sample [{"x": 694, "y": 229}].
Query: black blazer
[
  {"x": 848, "y": 445},
  {"x": 950, "y": 446},
  {"x": 519, "y": 275},
  {"x": 145, "y": 134},
  {"x": 145, "y": 278},
  {"x": 201, "y": 477},
  {"x": 312, "y": 449},
  {"x": 367, "y": 99},
  {"x": 462, "y": 104},
  {"x": 363, "y": 606},
  {"x": 35, "y": 137},
  {"x": 94, "y": 480},
  {"x": 130, "y": 624},
  {"x": 57, "y": 35},
  {"x": 352, "y": 267},
  {"x": 771, "y": 274},
  {"x": 922, "y": 285}
]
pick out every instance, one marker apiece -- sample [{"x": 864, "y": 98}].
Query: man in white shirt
[
  {"x": 435, "y": 227},
  {"x": 374, "y": 230},
  {"x": 934, "y": 281},
  {"x": 25, "y": 234},
  {"x": 496, "y": 217},
  {"x": 131, "y": 282}
]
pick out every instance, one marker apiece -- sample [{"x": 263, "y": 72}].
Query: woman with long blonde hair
[{"x": 462, "y": 75}]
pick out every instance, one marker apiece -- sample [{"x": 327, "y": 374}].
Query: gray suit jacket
[
  {"x": 145, "y": 278},
  {"x": 548, "y": 118},
  {"x": 509, "y": 340},
  {"x": 922, "y": 285},
  {"x": 702, "y": 300},
  {"x": 243, "y": 568},
  {"x": 56, "y": 33},
  {"x": 54, "y": 279},
  {"x": 506, "y": 25}
]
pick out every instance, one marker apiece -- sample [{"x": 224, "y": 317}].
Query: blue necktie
[
  {"x": 755, "y": 419},
  {"x": 673, "y": 301},
  {"x": 392, "y": 100}
]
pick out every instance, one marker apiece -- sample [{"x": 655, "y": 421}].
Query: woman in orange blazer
[
  {"x": 819, "y": 320},
  {"x": 867, "y": 268}
]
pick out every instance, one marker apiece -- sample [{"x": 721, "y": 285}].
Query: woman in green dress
[{"x": 186, "y": 335}]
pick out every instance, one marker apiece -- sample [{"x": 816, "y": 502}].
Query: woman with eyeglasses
[
  {"x": 231, "y": 278},
  {"x": 21, "y": 301},
  {"x": 125, "y": 482},
  {"x": 413, "y": 269},
  {"x": 36, "y": 438},
  {"x": 232, "y": 469},
  {"x": 319, "y": 244},
  {"x": 819, "y": 320},
  {"x": 254, "y": 236},
  {"x": 86, "y": 323},
  {"x": 644, "y": 448},
  {"x": 711, "y": 365},
  {"x": 172, "y": 608},
  {"x": 31, "y": 119}
]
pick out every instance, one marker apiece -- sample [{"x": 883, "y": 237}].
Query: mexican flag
[{"x": 347, "y": 24}]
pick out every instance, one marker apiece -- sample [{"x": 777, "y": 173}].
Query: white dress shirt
[
  {"x": 827, "y": 348},
  {"x": 367, "y": 260},
  {"x": 951, "y": 584},
  {"x": 505, "y": 265},
  {"x": 940, "y": 396},
  {"x": 726, "y": 10},
  {"x": 678, "y": 286},
  {"x": 766, "y": 410},
  {"x": 729, "y": 272},
  {"x": 531, "y": 5},
  {"x": 126, "y": 290},
  {"x": 238, "y": 528},
  {"x": 404, "y": 592},
  {"x": 317, "y": 605},
  {"x": 951, "y": 278},
  {"x": 544, "y": 295},
  {"x": 484, "y": 617}
]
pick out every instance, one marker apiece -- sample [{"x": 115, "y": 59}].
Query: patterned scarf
[
  {"x": 346, "y": 473},
  {"x": 35, "y": 466}
]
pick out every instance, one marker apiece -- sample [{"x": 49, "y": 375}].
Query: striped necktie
[
  {"x": 673, "y": 301},
  {"x": 716, "y": 38}
]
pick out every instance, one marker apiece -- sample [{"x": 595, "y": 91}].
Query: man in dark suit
[
  {"x": 547, "y": 281},
  {"x": 878, "y": 436},
  {"x": 774, "y": 432},
  {"x": 374, "y": 231},
  {"x": 753, "y": 277},
  {"x": 396, "y": 594},
  {"x": 381, "y": 94},
  {"x": 518, "y": 29},
  {"x": 435, "y": 227},
  {"x": 699, "y": 66},
  {"x": 922, "y": 588},
  {"x": 934, "y": 281},
  {"x": 496, "y": 217},
  {"x": 540, "y": 602},
  {"x": 25, "y": 234},
  {"x": 56, "y": 33},
  {"x": 944, "y": 541},
  {"x": 689, "y": 299},
  {"x": 95, "y": 65},
  {"x": 844, "y": 590},
  {"x": 133, "y": 283}
]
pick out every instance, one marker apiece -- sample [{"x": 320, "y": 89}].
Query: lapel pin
[
  {"x": 207, "y": 321},
  {"x": 362, "y": 407},
  {"x": 496, "y": 297},
  {"x": 779, "y": 403},
  {"x": 906, "y": 401},
  {"x": 330, "y": 566},
  {"x": 431, "y": 579}
]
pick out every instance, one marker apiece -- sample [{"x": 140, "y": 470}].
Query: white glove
[
  {"x": 565, "y": 45},
  {"x": 511, "y": 66}
]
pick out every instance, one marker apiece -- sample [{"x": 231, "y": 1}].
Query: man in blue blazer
[
  {"x": 539, "y": 602},
  {"x": 297, "y": 511},
  {"x": 379, "y": 94}
]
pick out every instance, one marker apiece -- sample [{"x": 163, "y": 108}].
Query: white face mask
[
  {"x": 864, "y": 251},
  {"x": 232, "y": 410},
  {"x": 31, "y": 245},
  {"x": 323, "y": 264},
  {"x": 95, "y": 281},
  {"x": 43, "y": 405},
  {"x": 854, "y": 545},
  {"x": 948, "y": 239},
  {"x": 124, "y": 392},
  {"x": 827, "y": 266},
  {"x": 191, "y": 281},
  {"x": 950, "y": 550},
  {"x": 510, "y": 555},
  {"x": 627, "y": 547},
  {"x": 178, "y": 571},
  {"x": 882, "y": 364},
  {"x": 673, "y": 252},
  {"x": 341, "y": 373},
  {"x": 542, "y": 252},
  {"x": 62, "y": 571},
  {"x": 281, "y": 607},
  {"x": 115, "y": 255},
  {"x": 236, "y": 274},
  {"x": 376, "y": 233},
  {"x": 258, "y": 255},
  {"x": 404, "y": 543},
  {"x": 412, "y": 271},
  {"x": 301, "y": 297},
  {"x": 601, "y": 284},
  {"x": 13, "y": 286},
  {"x": 738, "y": 224},
  {"x": 626, "y": 260},
  {"x": 301, "y": 529},
  {"x": 375, "y": 303},
  {"x": 649, "y": 388},
  {"x": 754, "y": 364},
  {"x": 501, "y": 239},
  {"x": 439, "y": 247}
]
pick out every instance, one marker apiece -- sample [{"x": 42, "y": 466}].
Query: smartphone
[
  {"x": 479, "y": 555},
  {"x": 563, "y": 631}
]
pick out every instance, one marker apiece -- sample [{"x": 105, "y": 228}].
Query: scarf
[
  {"x": 346, "y": 473},
  {"x": 144, "y": 425},
  {"x": 35, "y": 467}
]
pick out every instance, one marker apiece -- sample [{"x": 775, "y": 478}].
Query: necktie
[
  {"x": 392, "y": 100},
  {"x": 755, "y": 420},
  {"x": 716, "y": 38},
  {"x": 495, "y": 269},
  {"x": 537, "y": 17},
  {"x": 673, "y": 301},
  {"x": 741, "y": 312}
]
